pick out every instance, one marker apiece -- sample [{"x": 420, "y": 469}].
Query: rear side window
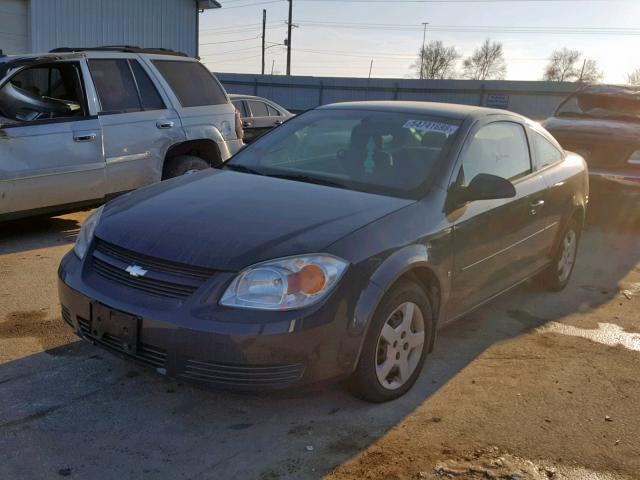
[
  {"x": 115, "y": 86},
  {"x": 500, "y": 149},
  {"x": 546, "y": 152},
  {"x": 149, "y": 96},
  {"x": 258, "y": 109},
  {"x": 239, "y": 104},
  {"x": 273, "y": 112},
  {"x": 193, "y": 84}
]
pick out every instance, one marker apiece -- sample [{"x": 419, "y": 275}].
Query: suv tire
[{"x": 183, "y": 164}]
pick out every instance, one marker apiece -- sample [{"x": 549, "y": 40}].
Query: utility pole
[
  {"x": 264, "y": 34},
  {"x": 424, "y": 39},
  {"x": 289, "y": 37},
  {"x": 273, "y": 64},
  {"x": 370, "y": 68}
]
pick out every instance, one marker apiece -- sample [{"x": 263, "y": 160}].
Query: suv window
[
  {"x": 258, "y": 109},
  {"x": 115, "y": 86},
  {"x": 149, "y": 96},
  {"x": 546, "y": 151},
  {"x": 193, "y": 84},
  {"x": 43, "y": 92},
  {"x": 500, "y": 149},
  {"x": 123, "y": 86}
]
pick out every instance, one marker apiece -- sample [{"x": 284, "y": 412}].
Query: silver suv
[{"x": 80, "y": 126}]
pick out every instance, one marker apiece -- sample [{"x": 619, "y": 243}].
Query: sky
[{"x": 340, "y": 38}]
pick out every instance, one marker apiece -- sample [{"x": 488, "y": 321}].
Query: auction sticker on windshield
[{"x": 427, "y": 126}]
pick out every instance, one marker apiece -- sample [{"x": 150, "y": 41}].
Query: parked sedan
[
  {"x": 258, "y": 115},
  {"x": 332, "y": 248},
  {"x": 602, "y": 123}
]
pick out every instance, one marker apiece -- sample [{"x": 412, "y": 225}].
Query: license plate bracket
[{"x": 112, "y": 325}]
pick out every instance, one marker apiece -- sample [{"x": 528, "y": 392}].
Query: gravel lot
[{"x": 532, "y": 386}]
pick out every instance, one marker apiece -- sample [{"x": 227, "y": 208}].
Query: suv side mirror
[{"x": 484, "y": 187}]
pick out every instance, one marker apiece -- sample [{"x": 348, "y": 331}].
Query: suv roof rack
[{"x": 120, "y": 48}]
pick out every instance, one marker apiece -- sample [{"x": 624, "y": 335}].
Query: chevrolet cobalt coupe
[{"x": 332, "y": 248}]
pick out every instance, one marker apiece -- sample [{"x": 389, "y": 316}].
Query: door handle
[
  {"x": 163, "y": 124},
  {"x": 88, "y": 137},
  {"x": 246, "y": 124},
  {"x": 278, "y": 122},
  {"x": 535, "y": 206}
]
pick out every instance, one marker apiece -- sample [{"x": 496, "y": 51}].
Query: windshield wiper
[
  {"x": 241, "y": 168},
  {"x": 300, "y": 177}
]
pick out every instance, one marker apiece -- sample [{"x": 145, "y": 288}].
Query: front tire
[
  {"x": 183, "y": 164},
  {"x": 396, "y": 344},
  {"x": 556, "y": 277}
]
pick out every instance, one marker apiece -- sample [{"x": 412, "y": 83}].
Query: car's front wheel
[{"x": 396, "y": 344}]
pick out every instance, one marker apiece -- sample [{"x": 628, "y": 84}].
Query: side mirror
[{"x": 485, "y": 187}]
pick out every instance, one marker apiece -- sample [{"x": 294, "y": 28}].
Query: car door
[
  {"x": 263, "y": 117},
  {"x": 497, "y": 243},
  {"x": 48, "y": 158},
  {"x": 560, "y": 191},
  {"x": 137, "y": 125}
]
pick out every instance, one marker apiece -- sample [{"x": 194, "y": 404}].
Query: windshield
[
  {"x": 600, "y": 106},
  {"x": 387, "y": 153}
]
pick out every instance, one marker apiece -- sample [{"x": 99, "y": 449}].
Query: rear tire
[
  {"x": 395, "y": 346},
  {"x": 183, "y": 164},
  {"x": 557, "y": 275}
]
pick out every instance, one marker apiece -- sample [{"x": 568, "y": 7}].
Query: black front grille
[
  {"x": 162, "y": 278},
  {"x": 149, "y": 355},
  {"x": 242, "y": 375}
]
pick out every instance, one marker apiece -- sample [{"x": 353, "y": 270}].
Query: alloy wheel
[
  {"x": 568, "y": 255},
  {"x": 400, "y": 346}
]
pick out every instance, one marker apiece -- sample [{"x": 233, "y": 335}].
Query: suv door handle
[
  {"x": 164, "y": 125},
  {"x": 88, "y": 137},
  {"x": 278, "y": 122},
  {"x": 535, "y": 206},
  {"x": 246, "y": 124}
]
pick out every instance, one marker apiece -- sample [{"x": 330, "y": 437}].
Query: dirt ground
[{"x": 533, "y": 386}]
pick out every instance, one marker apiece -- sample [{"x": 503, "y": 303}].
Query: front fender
[{"x": 385, "y": 276}]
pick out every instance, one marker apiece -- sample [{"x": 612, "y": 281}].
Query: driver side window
[
  {"x": 500, "y": 149},
  {"x": 43, "y": 92}
]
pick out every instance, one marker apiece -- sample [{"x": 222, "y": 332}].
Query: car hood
[
  {"x": 593, "y": 129},
  {"x": 228, "y": 220}
]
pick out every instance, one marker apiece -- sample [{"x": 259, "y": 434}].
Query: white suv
[{"x": 78, "y": 126}]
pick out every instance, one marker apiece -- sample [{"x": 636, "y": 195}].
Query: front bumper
[{"x": 270, "y": 350}]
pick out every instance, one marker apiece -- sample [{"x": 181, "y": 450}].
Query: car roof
[
  {"x": 239, "y": 96},
  {"x": 447, "y": 110}
]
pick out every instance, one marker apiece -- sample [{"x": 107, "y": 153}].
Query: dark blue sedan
[{"x": 332, "y": 248}]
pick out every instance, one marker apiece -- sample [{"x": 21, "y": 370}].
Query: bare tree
[
  {"x": 486, "y": 63},
  {"x": 565, "y": 65},
  {"x": 437, "y": 61},
  {"x": 634, "y": 78}
]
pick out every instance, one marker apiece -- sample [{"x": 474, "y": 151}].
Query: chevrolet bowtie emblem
[{"x": 136, "y": 271}]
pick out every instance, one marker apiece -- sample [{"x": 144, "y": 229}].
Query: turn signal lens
[{"x": 310, "y": 280}]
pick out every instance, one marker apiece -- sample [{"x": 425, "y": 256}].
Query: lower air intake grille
[{"x": 242, "y": 375}]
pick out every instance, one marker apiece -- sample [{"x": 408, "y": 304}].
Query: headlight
[
  {"x": 86, "y": 233},
  {"x": 285, "y": 284},
  {"x": 635, "y": 158}
]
